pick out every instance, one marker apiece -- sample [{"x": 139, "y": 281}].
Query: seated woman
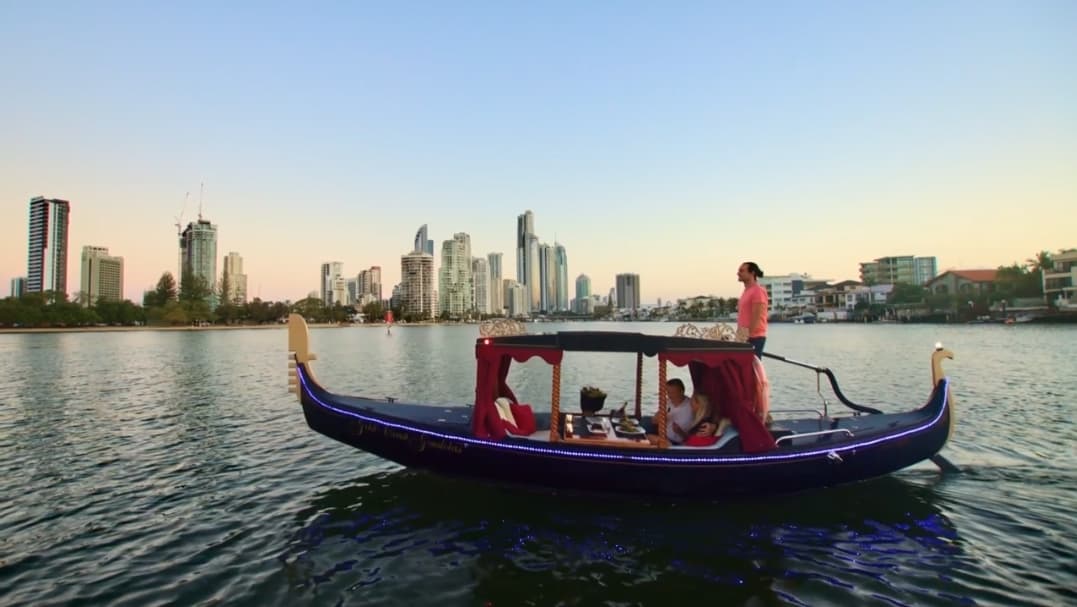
[{"x": 703, "y": 432}]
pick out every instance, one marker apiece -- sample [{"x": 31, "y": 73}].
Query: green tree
[
  {"x": 905, "y": 293},
  {"x": 1040, "y": 262},
  {"x": 164, "y": 292},
  {"x": 373, "y": 311}
]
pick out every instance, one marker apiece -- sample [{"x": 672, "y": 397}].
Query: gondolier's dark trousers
[{"x": 757, "y": 343}]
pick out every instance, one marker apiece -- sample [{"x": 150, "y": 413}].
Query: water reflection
[{"x": 373, "y": 538}]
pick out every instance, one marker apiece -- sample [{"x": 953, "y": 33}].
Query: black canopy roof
[{"x": 612, "y": 341}]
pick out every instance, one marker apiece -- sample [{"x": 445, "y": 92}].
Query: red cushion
[
  {"x": 700, "y": 441},
  {"x": 525, "y": 419},
  {"x": 494, "y": 424}
]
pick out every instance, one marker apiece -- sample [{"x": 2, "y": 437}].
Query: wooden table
[{"x": 610, "y": 439}]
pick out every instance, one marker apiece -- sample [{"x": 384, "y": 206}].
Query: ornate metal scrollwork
[
  {"x": 718, "y": 332},
  {"x": 500, "y": 327}
]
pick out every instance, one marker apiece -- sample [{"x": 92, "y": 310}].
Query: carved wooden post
[
  {"x": 660, "y": 417},
  {"x": 555, "y": 404},
  {"x": 639, "y": 385}
]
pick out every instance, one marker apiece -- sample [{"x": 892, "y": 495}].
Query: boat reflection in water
[{"x": 373, "y": 539}]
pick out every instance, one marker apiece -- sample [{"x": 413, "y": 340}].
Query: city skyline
[{"x": 719, "y": 140}]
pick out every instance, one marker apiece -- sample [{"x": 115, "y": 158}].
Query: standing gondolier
[{"x": 752, "y": 307}]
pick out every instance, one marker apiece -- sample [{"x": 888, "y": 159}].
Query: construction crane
[{"x": 179, "y": 218}]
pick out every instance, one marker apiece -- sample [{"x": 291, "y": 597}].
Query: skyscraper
[
  {"x": 423, "y": 244},
  {"x": 583, "y": 294},
  {"x": 46, "y": 267},
  {"x": 527, "y": 252},
  {"x": 560, "y": 265},
  {"x": 493, "y": 267},
  {"x": 18, "y": 286},
  {"x": 198, "y": 253},
  {"x": 334, "y": 287},
  {"x": 547, "y": 281},
  {"x": 454, "y": 280},
  {"x": 516, "y": 298},
  {"x": 534, "y": 280},
  {"x": 417, "y": 285},
  {"x": 628, "y": 291},
  {"x": 235, "y": 279},
  {"x": 480, "y": 281},
  {"x": 102, "y": 276},
  {"x": 370, "y": 283}
]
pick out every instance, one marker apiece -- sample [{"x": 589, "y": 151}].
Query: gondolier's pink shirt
[{"x": 752, "y": 295}]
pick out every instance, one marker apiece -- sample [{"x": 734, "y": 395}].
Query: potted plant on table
[{"x": 591, "y": 399}]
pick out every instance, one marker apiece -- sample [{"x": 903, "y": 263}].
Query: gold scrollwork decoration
[
  {"x": 500, "y": 327},
  {"x": 718, "y": 332}
]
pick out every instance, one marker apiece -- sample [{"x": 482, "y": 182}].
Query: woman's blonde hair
[{"x": 703, "y": 412}]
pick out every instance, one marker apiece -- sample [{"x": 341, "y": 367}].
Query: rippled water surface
[{"x": 149, "y": 467}]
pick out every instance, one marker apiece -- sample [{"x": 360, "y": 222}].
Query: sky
[{"x": 672, "y": 140}]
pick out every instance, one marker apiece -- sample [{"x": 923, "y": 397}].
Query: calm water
[{"x": 173, "y": 468}]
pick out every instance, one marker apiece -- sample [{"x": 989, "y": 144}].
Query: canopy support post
[
  {"x": 639, "y": 386},
  {"x": 660, "y": 417},
  {"x": 555, "y": 404}
]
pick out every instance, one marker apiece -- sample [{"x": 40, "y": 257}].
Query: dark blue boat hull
[{"x": 881, "y": 444}]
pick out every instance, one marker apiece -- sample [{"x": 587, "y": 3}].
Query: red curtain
[
  {"x": 492, "y": 372},
  {"x": 728, "y": 380}
]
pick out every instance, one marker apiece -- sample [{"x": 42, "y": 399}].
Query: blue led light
[{"x": 301, "y": 373}]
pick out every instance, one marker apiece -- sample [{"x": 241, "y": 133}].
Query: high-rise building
[
  {"x": 46, "y": 267},
  {"x": 417, "y": 292},
  {"x": 924, "y": 269},
  {"x": 517, "y": 298},
  {"x": 454, "y": 279},
  {"x": 102, "y": 276},
  {"x": 334, "y": 287},
  {"x": 198, "y": 253},
  {"x": 527, "y": 252},
  {"x": 560, "y": 264},
  {"x": 783, "y": 291},
  {"x": 547, "y": 279},
  {"x": 480, "y": 285},
  {"x": 18, "y": 286},
  {"x": 352, "y": 286},
  {"x": 234, "y": 278},
  {"x": 423, "y": 243},
  {"x": 583, "y": 294},
  {"x": 628, "y": 297},
  {"x": 493, "y": 267},
  {"x": 534, "y": 279},
  {"x": 370, "y": 284},
  {"x": 902, "y": 268}
]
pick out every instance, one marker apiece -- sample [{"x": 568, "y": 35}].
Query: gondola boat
[{"x": 556, "y": 449}]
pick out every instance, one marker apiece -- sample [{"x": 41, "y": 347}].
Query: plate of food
[
  {"x": 593, "y": 420},
  {"x": 596, "y": 428},
  {"x": 630, "y": 429}
]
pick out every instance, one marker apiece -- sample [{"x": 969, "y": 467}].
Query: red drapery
[
  {"x": 490, "y": 383},
  {"x": 729, "y": 381}
]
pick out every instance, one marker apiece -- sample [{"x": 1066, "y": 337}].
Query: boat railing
[
  {"x": 818, "y": 412},
  {"x": 820, "y": 371},
  {"x": 792, "y": 437}
]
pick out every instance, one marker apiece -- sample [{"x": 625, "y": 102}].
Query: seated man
[{"x": 679, "y": 413}]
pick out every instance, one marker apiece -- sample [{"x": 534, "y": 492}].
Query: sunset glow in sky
[{"x": 673, "y": 140}]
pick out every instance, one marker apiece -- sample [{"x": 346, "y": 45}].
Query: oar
[{"x": 944, "y": 464}]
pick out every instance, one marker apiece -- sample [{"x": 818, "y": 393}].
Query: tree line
[{"x": 191, "y": 302}]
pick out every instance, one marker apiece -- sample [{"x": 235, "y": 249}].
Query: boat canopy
[{"x": 722, "y": 370}]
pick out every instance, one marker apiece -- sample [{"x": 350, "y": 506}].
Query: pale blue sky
[{"x": 669, "y": 139}]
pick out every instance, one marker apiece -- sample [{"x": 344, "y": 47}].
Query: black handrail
[{"x": 830, "y": 376}]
